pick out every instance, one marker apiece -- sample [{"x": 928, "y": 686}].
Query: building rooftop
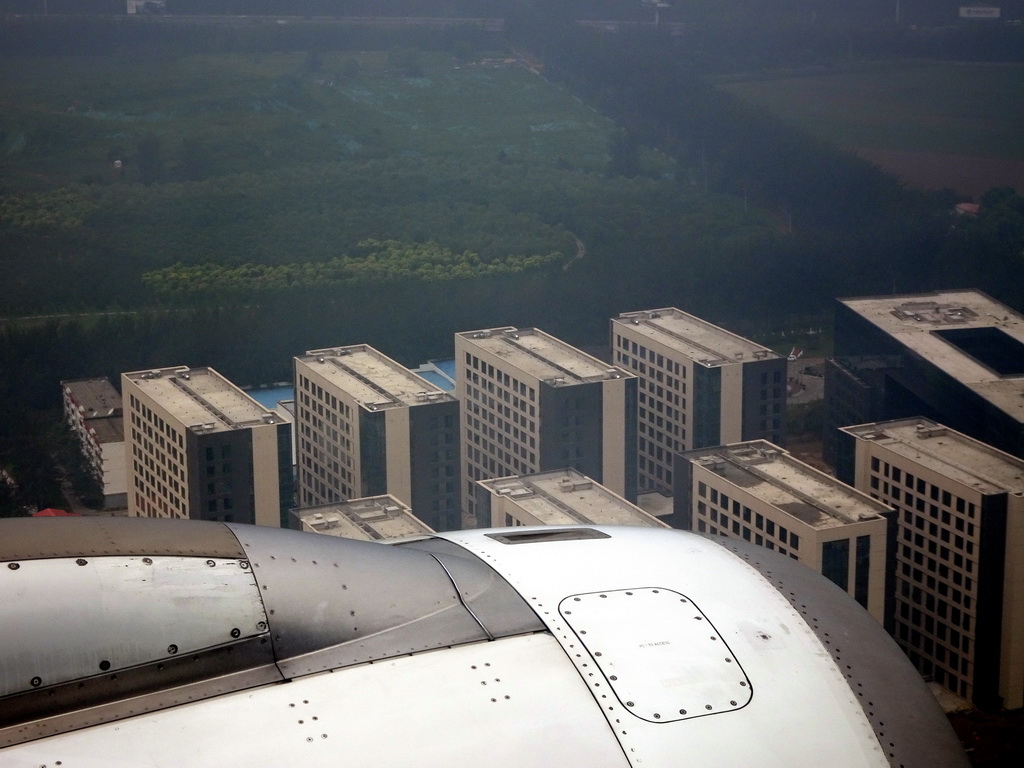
[
  {"x": 202, "y": 399},
  {"x": 372, "y": 518},
  {"x": 697, "y": 339},
  {"x": 96, "y": 397},
  {"x": 543, "y": 357},
  {"x": 948, "y": 452},
  {"x": 567, "y": 497},
  {"x": 372, "y": 379},
  {"x": 771, "y": 474},
  {"x": 107, "y": 430},
  {"x": 965, "y": 333}
]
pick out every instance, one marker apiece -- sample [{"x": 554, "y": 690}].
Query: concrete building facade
[
  {"x": 198, "y": 447},
  {"x": 760, "y": 493},
  {"x": 367, "y": 426},
  {"x": 93, "y": 411},
  {"x": 532, "y": 403},
  {"x": 959, "y": 557},
  {"x": 953, "y": 356},
  {"x": 560, "y": 497},
  {"x": 699, "y": 386}
]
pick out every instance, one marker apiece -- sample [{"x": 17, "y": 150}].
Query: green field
[
  {"x": 287, "y": 158},
  {"x": 941, "y": 107},
  {"x": 64, "y": 120}
]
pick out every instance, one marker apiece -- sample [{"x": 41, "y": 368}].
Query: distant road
[
  {"x": 491, "y": 25},
  {"x": 34, "y": 319}
]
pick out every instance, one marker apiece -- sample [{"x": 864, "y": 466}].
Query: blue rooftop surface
[
  {"x": 268, "y": 397},
  {"x": 440, "y": 373},
  {"x": 437, "y": 380}
]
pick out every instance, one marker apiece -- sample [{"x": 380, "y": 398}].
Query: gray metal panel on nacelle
[
  {"x": 498, "y": 607},
  {"x": 107, "y": 614},
  {"x": 333, "y": 602},
  {"x": 908, "y": 722},
  {"x": 32, "y": 538}
]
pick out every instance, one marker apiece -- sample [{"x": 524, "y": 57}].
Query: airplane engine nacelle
[{"x": 172, "y": 643}]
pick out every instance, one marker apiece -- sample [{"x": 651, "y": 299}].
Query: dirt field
[{"x": 967, "y": 175}]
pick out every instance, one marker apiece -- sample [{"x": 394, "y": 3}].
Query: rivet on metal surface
[
  {"x": 172, "y": 648},
  {"x": 261, "y": 625},
  {"x": 104, "y": 665},
  {"x": 323, "y": 735},
  {"x": 707, "y": 706},
  {"x": 598, "y": 653},
  {"x": 81, "y": 561},
  {"x": 733, "y": 703},
  {"x": 236, "y": 632},
  {"x": 13, "y": 566},
  {"x": 211, "y": 563},
  {"x": 682, "y": 711},
  {"x": 309, "y": 738},
  {"x": 147, "y": 561},
  {"x": 657, "y": 716},
  {"x": 614, "y": 677},
  {"x": 629, "y": 704},
  {"x": 36, "y": 682},
  {"x": 243, "y": 564}
]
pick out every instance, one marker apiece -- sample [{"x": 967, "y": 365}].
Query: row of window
[
  {"x": 744, "y": 513},
  {"x": 743, "y": 532}
]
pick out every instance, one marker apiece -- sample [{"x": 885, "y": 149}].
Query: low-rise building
[
  {"x": 371, "y": 519},
  {"x": 760, "y": 493},
  {"x": 92, "y": 409},
  {"x": 559, "y": 497}
]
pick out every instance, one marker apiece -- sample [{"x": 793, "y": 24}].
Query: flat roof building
[
  {"x": 959, "y": 559},
  {"x": 367, "y": 426},
  {"x": 699, "y": 385},
  {"x": 371, "y": 519},
  {"x": 954, "y": 356},
  {"x": 560, "y": 497},
  {"x": 198, "y": 447},
  {"x": 532, "y": 403},
  {"x": 92, "y": 409},
  {"x": 760, "y": 493}
]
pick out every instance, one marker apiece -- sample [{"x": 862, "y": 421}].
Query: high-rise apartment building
[
  {"x": 198, "y": 447},
  {"x": 959, "y": 559},
  {"x": 92, "y": 409},
  {"x": 699, "y": 386},
  {"x": 760, "y": 493},
  {"x": 953, "y": 356},
  {"x": 560, "y": 497},
  {"x": 532, "y": 403},
  {"x": 367, "y": 426}
]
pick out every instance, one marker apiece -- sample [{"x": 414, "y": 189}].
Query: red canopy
[{"x": 51, "y": 512}]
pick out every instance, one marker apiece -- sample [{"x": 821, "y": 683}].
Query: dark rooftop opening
[{"x": 992, "y": 347}]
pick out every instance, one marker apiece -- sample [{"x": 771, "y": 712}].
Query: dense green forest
[{"x": 289, "y": 188}]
